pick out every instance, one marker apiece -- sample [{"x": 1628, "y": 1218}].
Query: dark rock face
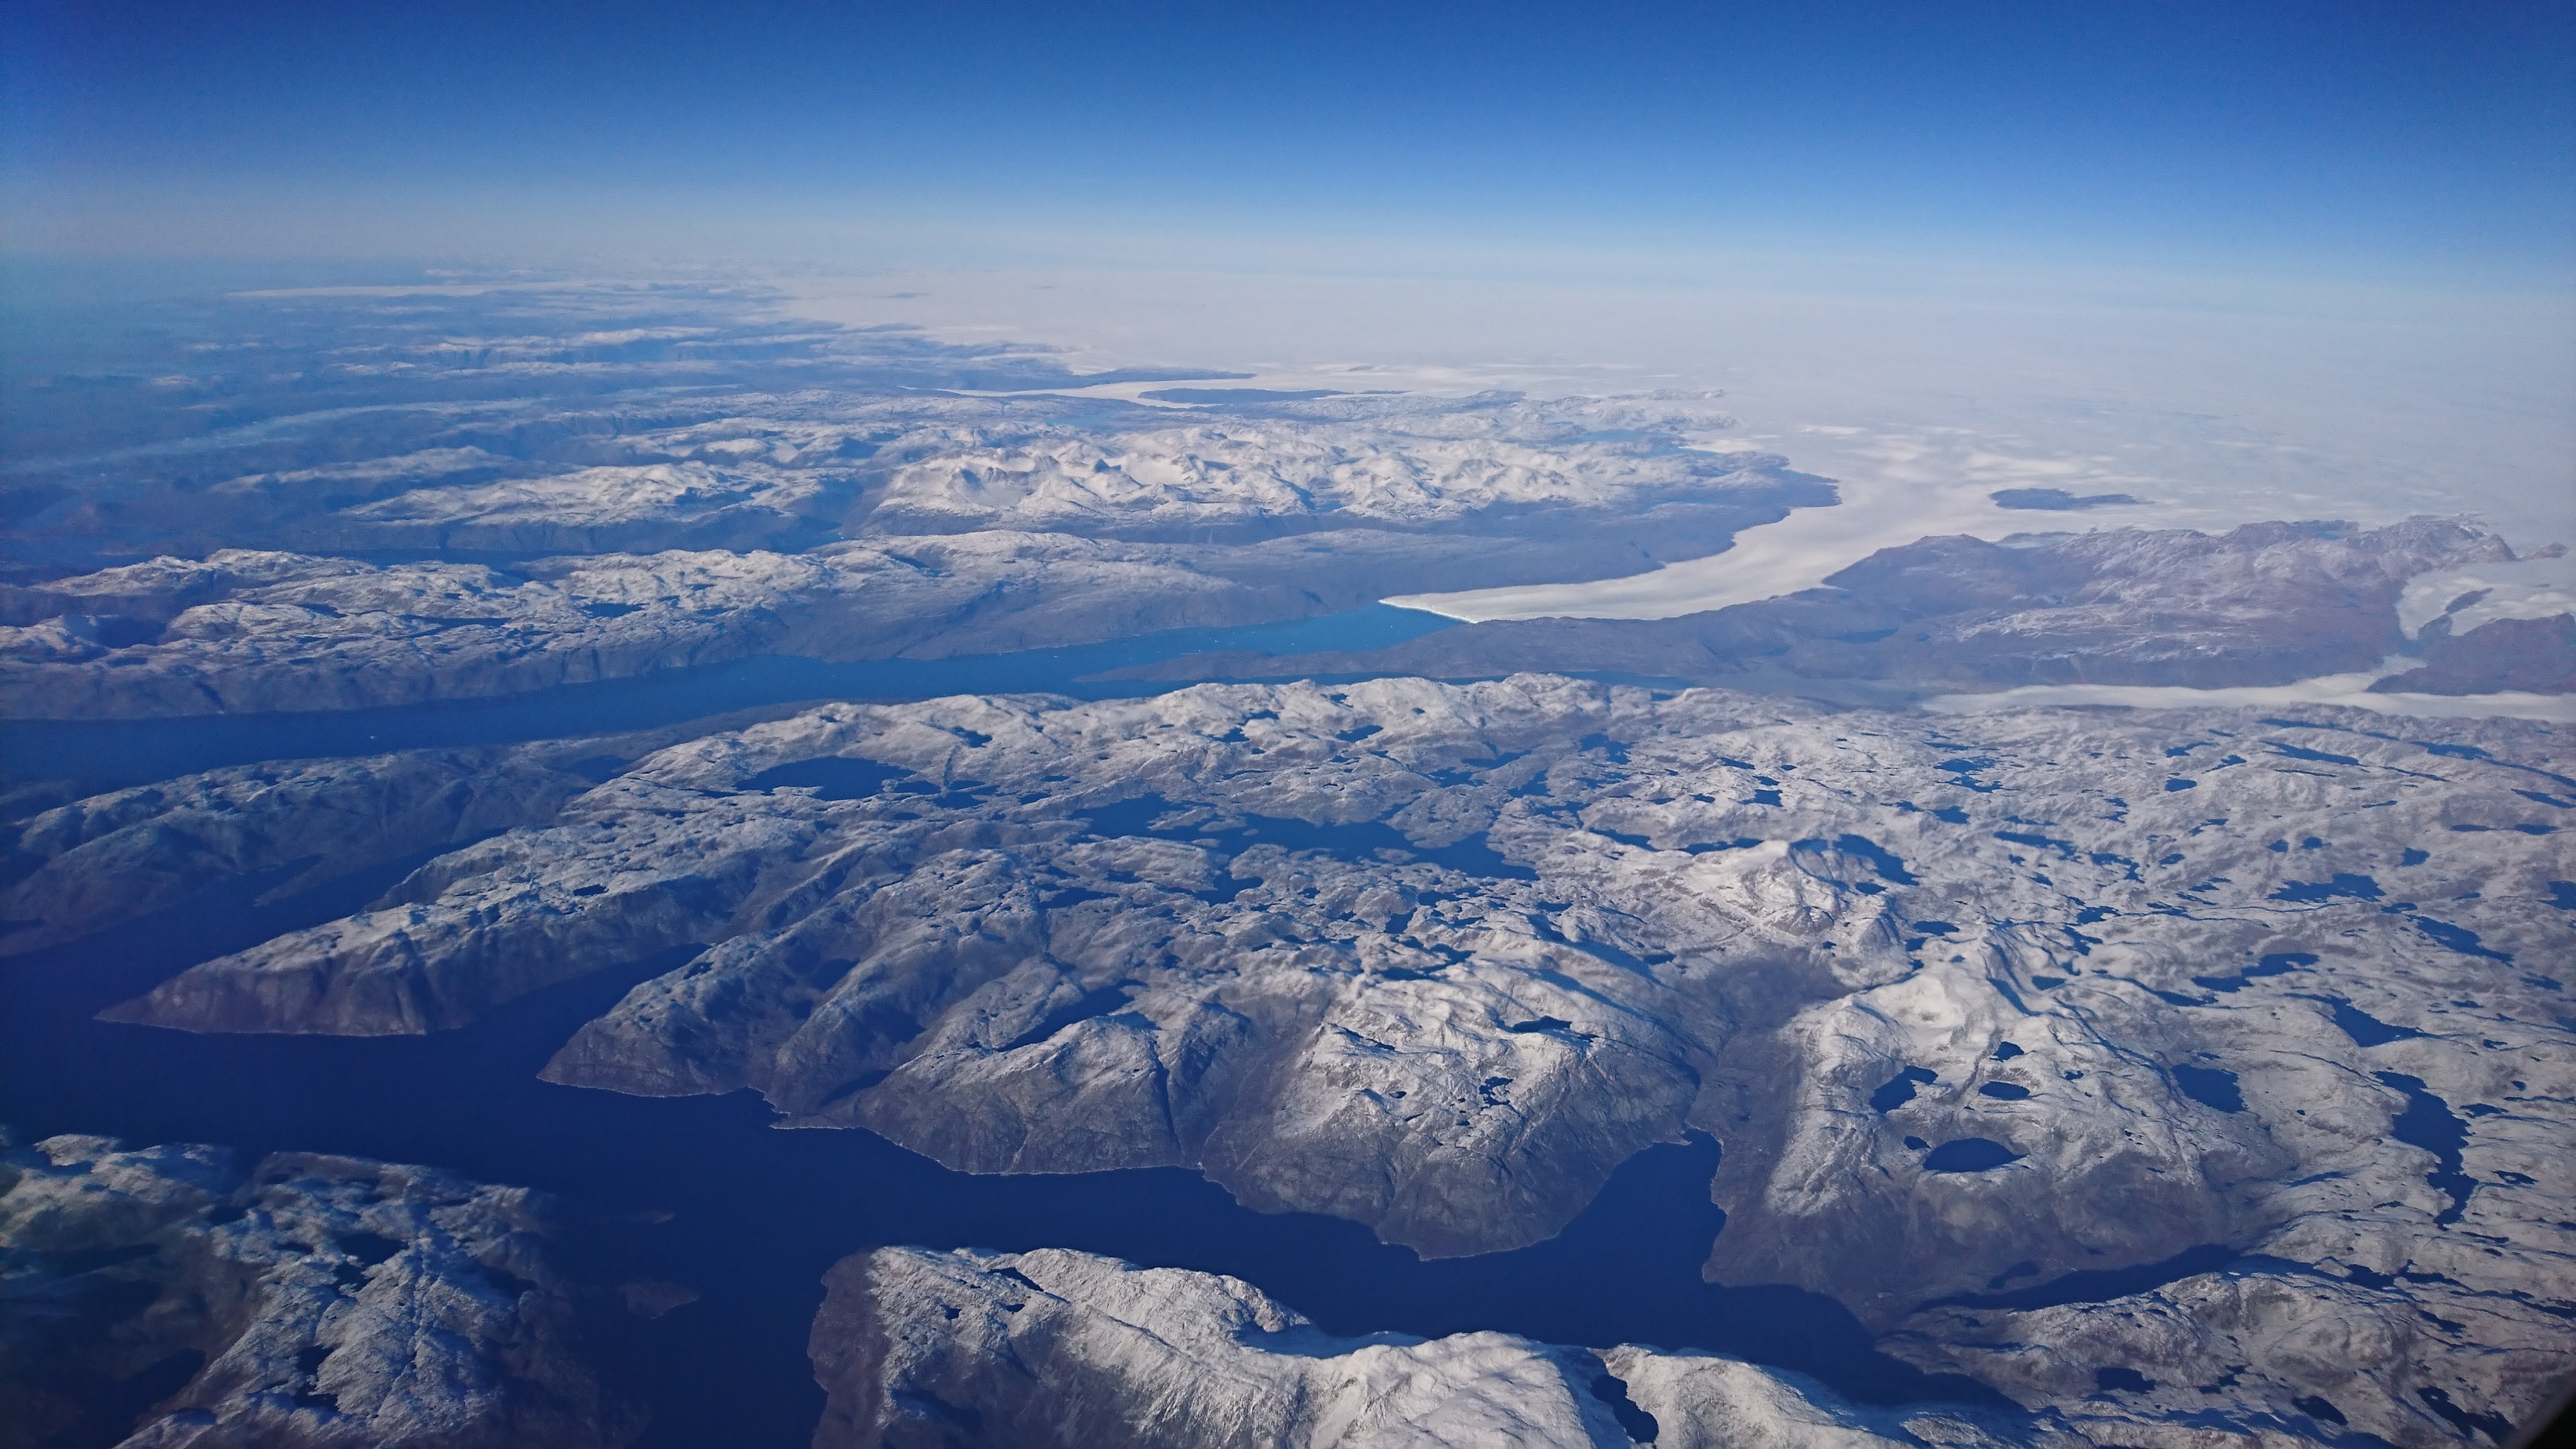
[
  {"x": 2535, "y": 655},
  {"x": 298, "y": 1300},
  {"x": 2264, "y": 604}
]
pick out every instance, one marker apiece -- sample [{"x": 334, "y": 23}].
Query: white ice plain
[
  {"x": 1907, "y": 489},
  {"x": 2338, "y": 689}
]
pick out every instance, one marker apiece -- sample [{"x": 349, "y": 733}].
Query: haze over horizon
[{"x": 2310, "y": 259}]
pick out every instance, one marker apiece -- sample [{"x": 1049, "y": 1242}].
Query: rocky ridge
[
  {"x": 1051, "y": 1347},
  {"x": 295, "y": 1300},
  {"x": 1976, "y": 1007}
]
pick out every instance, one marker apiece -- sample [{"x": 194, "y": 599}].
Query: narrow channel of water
[
  {"x": 107, "y": 753},
  {"x": 756, "y": 1215}
]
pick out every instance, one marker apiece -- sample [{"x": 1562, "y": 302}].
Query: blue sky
[{"x": 2357, "y": 138}]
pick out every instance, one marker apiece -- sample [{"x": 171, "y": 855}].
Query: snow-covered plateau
[
  {"x": 1977, "y": 1006},
  {"x": 243, "y": 630},
  {"x": 415, "y": 544},
  {"x": 2191, "y": 1078}
]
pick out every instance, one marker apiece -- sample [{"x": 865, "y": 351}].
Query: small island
[{"x": 2057, "y": 500}]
